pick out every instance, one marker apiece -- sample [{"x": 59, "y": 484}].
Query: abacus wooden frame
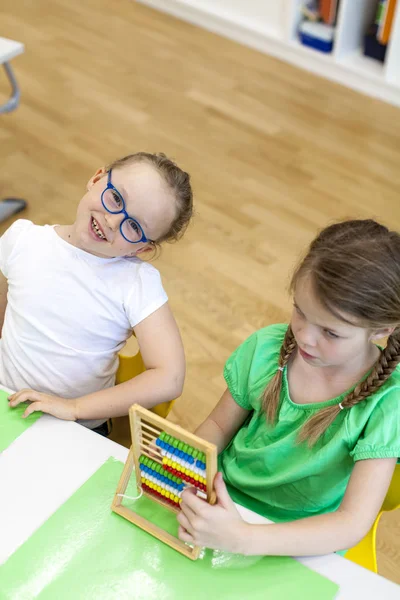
[{"x": 143, "y": 423}]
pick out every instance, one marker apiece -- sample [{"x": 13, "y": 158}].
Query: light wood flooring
[{"x": 275, "y": 154}]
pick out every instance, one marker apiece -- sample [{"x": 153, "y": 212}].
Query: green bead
[
  {"x": 190, "y": 450},
  {"x": 195, "y": 454},
  {"x": 167, "y": 439},
  {"x": 180, "y": 446},
  {"x": 175, "y": 442},
  {"x": 162, "y": 436}
]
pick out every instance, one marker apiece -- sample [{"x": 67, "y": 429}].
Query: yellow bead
[
  {"x": 196, "y": 477},
  {"x": 158, "y": 489},
  {"x": 167, "y": 494},
  {"x": 176, "y": 499},
  {"x": 164, "y": 460},
  {"x": 163, "y": 492},
  {"x": 174, "y": 465}
]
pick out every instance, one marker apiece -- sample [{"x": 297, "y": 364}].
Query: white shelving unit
[{"x": 271, "y": 27}]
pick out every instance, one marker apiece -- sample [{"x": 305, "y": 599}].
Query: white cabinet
[
  {"x": 257, "y": 14},
  {"x": 271, "y": 27}
]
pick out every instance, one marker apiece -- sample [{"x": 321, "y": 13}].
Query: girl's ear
[
  {"x": 98, "y": 175},
  {"x": 381, "y": 333},
  {"x": 143, "y": 250}
]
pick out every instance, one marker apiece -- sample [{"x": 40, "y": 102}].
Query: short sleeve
[
  {"x": 250, "y": 367},
  {"x": 8, "y": 242},
  {"x": 146, "y": 295},
  {"x": 381, "y": 435}
]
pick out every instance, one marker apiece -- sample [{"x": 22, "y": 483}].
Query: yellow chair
[
  {"x": 130, "y": 366},
  {"x": 364, "y": 553}
]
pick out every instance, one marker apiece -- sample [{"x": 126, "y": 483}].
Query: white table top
[
  {"x": 53, "y": 458},
  {"x": 9, "y": 49}
]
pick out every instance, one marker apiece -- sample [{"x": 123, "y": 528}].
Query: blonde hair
[
  {"x": 355, "y": 269},
  {"x": 177, "y": 180}
]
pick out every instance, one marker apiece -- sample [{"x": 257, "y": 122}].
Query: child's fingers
[
  {"x": 187, "y": 511},
  {"x": 23, "y": 396},
  {"x": 184, "y": 522},
  {"x": 35, "y": 406},
  {"x": 184, "y": 535},
  {"x": 193, "y": 502},
  {"x": 222, "y": 493}
]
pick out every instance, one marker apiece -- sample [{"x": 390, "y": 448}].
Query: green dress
[{"x": 265, "y": 468}]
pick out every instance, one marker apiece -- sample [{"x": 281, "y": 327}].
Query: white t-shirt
[{"x": 68, "y": 312}]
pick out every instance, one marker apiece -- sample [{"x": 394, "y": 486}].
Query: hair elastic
[
  {"x": 132, "y": 497},
  {"x": 341, "y": 406},
  {"x": 281, "y": 368}
]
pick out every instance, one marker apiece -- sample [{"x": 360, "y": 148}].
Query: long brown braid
[
  {"x": 355, "y": 271},
  {"x": 271, "y": 395}
]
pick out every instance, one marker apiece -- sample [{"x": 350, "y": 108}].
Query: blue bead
[{"x": 158, "y": 442}]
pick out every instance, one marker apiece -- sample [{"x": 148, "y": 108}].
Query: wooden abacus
[{"x": 166, "y": 459}]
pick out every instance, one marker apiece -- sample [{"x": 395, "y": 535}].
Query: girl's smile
[{"x": 96, "y": 231}]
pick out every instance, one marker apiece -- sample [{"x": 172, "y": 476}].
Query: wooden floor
[{"x": 275, "y": 154}]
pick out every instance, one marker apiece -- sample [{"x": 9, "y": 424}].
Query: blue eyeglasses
[{"x": 113, "y": 202}]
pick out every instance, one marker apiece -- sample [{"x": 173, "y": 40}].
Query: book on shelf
[
  {"x": 384, "y": 19},
  {"x": 328, "y": 11}
]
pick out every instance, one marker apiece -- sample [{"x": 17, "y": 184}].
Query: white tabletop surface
[
  {"x": 53, "y": 458},
  {"x": 9, "y": 49}
]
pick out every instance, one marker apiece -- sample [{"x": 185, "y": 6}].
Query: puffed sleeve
[{"x": 381, "y": 435}]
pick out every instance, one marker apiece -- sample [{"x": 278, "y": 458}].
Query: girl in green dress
[{"x": 308, "y": 428}]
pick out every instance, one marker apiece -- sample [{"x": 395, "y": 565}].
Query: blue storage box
[{"x": 317, "y": 35}]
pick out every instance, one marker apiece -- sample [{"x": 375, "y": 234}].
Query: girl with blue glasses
[{"x": 73, "y": 294}]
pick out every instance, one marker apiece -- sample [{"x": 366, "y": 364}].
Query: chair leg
[{"x": 13, "y": 101}]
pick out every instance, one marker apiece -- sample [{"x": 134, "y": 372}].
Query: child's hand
[
  {"x": 217, "y": 526},
  {"x": 53, "y": 405}
]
